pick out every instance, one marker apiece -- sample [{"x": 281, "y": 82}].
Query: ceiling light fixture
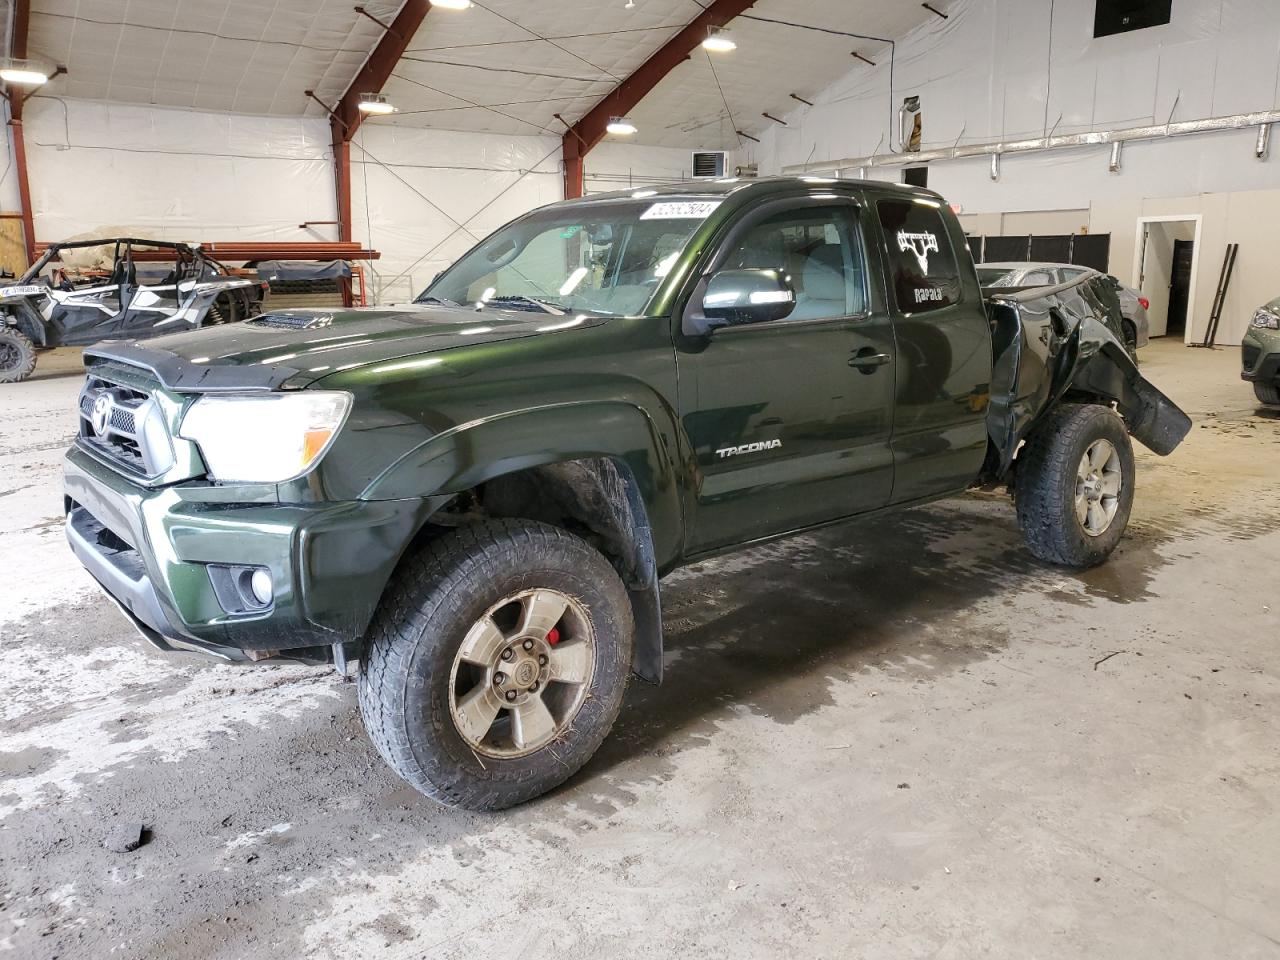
[
  {"x": 621, "y": 126},
  {"x": 375, "y": 103},
  {"x": 451, "y": 4},
  {"x": 719, "y": 41},
  {"x": 24, "y": 72}
]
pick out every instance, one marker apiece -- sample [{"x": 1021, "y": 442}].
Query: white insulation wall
[
  {"x": 617, "y": 165},
  {"x": 1009, "y": 69},
  {"x": 420, "y": 197},
  {"x": 424, "y": 197},
  {"x": 176, "y": 174}
]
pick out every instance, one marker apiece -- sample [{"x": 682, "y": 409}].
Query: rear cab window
[{"x": 924, "y": 271}]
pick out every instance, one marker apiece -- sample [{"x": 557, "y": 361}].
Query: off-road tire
[
  {"x": 434, "y": 599},
  {"x": 17, "y": 355},
  {"x": 1045, "y": 487},
  {"x": 1267, "y": 393}
]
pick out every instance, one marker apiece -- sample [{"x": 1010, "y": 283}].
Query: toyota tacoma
[{"x": 470, "y": 500}]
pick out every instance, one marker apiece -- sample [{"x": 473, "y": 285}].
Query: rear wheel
[
  {"x": 1074, "y": 486},
  {"x": 17, "y": 355},
  {"x": 1267, "y": 393},
  {"x": 497, "y": 663}
]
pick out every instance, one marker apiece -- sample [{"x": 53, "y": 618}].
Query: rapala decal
[{"x": 920, "y": 244}]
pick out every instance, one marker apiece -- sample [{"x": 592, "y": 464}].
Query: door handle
[{"x": 867, "y": 360}]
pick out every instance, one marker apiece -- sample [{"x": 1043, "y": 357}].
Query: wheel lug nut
[
  {"x": 508, "y": 653},
  {"x": 528, "y": 644},
  {"x": 511, "y": 694},
  {"x": 542, "y": 659},
  {"x": 499, "y": 677},
  {"x": 534, "y": 687}
]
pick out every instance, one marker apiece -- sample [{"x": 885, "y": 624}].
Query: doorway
[
  {"x": 1180, "y": 287},
  {"x": 1165, "y": 272}
]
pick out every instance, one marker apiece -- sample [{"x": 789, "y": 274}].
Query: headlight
[
  {"x": 264, "y": 438},
  {"x": 1265, "y": 318}
]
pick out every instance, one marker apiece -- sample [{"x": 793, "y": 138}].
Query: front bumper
[
  {"x": 1260, "y": 356},
  {"x": 151, "y": 550}
]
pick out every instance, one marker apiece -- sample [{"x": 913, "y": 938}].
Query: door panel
[
  {"x": 787, "y": 432},
  {"x": 944, "y": 344}
]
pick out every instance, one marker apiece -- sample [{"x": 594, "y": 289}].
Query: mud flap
[
  {"x": 1106, "y": 370},
  {"x": 1158, "y": 425}
]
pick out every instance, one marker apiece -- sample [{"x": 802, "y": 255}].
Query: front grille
[
  {"x": 114, "y": 431},
  {"x": 123, "y": 420}
]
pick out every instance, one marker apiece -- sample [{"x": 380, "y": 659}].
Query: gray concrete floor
[{"x": 900, "y": 739}]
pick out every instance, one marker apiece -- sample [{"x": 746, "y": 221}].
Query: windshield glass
[
  {"x": 606, "y": 258},
  {"x": 996, "y": 276}
]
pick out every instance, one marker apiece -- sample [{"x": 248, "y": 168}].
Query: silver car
[{"x": 1132, "y": 303}]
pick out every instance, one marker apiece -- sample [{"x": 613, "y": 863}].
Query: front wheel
[
  {"x": 1267, "y": 393},
  {"x": 17, "y": 355},
  {"x": 1074, "y": 486},
  {"x": 497, "y": 663}
]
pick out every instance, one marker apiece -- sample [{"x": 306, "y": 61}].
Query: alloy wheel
[
  {"x": 1099, "y": 483},
  {"x": 522, "y": 673}
]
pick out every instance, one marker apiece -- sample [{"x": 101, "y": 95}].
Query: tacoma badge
[{"x": 725, "y": 452}]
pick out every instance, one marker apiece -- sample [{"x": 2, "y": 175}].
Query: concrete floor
[{"x": 901, "y": 739}]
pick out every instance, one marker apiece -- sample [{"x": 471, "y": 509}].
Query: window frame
[
  {"x": 852, "y": 205},
  {"x": 891, "y": 293}
]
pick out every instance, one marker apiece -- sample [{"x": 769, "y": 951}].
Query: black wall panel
[
  {"x": 1002, "y": 249},
  {"x": 1051, "y": 249},
  {"x": 1092, "y": 250}
]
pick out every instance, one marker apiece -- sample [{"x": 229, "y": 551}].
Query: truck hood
[{"x": 297, "y": 347}]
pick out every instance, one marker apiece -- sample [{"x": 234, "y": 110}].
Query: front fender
[{"x": 471, "y": 453}]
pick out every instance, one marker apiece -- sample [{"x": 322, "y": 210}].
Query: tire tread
[
  {"x": 1045, "y": 465},
  {"x": 421, "y": 587}
]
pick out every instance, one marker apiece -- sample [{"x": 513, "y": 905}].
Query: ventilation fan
[{"x": 708, "y": 164}]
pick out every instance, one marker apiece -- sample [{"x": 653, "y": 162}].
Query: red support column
[
  {"x": 347, "y": 117},
  {"x": 24, "y": 188},
  {"x": 590, "y": 130}
]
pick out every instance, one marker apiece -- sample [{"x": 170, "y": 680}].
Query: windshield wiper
[
  {"x": 521, "y": 302},
  {"x": 444, "y": 301}
]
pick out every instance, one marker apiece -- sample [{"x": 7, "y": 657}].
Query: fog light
[{"x": 260, "y": 584}]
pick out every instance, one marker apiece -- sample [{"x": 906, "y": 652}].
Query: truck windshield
[{"x": 606, "y": 258}]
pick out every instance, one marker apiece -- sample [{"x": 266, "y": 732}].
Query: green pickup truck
[{"x": 475, "y": 496}]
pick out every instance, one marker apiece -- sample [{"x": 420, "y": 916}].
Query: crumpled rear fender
[
  {"x": 1104, "y": 369},
  {"x": 1049, "y": 348}
]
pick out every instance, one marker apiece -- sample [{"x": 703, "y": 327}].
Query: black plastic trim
[{"x": 180, "y": 374}]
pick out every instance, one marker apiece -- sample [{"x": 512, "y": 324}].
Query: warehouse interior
[{"x": 906, "y": 736}]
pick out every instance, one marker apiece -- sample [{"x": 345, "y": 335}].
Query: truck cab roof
[{"x": 751, "y": 188}]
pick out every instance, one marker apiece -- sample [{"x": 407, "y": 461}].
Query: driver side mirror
[{"x": 738, "y": 297}]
